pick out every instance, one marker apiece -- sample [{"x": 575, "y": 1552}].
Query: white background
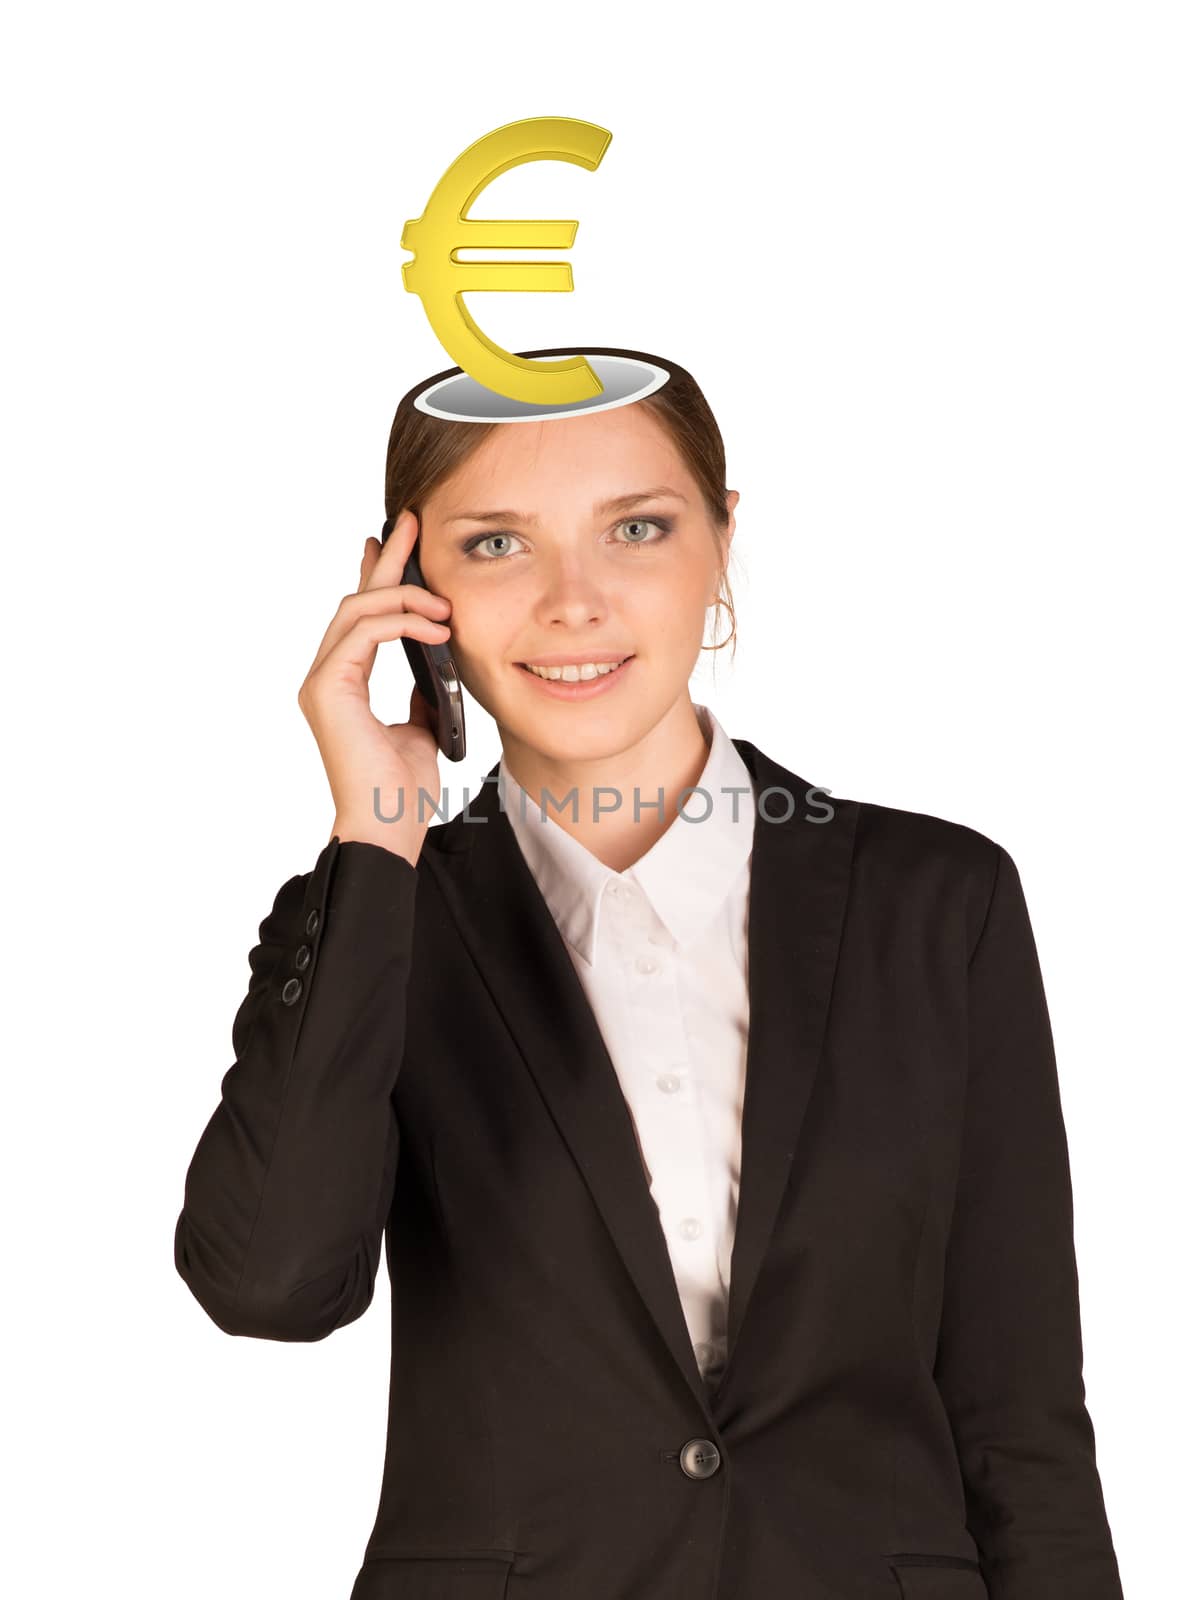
[{"x": 935, "y": 267}]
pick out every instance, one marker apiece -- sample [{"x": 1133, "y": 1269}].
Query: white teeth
[{"x": 573, "y": 674}]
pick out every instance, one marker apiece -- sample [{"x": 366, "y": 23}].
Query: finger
[
  {"x": 388, "y": 568},
  {"x": 366, "y": 566},
  {"x": 370, "y": 602},
  {"x": 356, "y": 649}
]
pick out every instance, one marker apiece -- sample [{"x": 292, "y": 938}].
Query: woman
[{"x": 722, "y": 1166}]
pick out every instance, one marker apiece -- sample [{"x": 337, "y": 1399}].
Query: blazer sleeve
[
  {"x": 287, "y": 1194},
  {"x": 1010, "y": 1360}
]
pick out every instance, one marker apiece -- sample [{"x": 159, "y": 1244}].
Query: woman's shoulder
[
  {"x": 898, "y": 827},
  {"x": 888, "y": 836},
  {"x": 921, "y": 859},
  {"x": 897, "y": 839}
]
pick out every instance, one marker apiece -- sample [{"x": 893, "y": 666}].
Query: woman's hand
[{"x": 360, "y": 753}]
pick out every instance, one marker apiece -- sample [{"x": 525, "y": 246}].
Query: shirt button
[
  {"x": 704, "y": 1354},
  {"x": 313, "y": 923},
  {"x": 290, "y": 992},
  {"x": 646, "y": 964},
  {"x": 668, "y": 1083},
  {"x": 691, "y": 1228}
]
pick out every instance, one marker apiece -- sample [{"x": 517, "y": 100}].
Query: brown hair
[{"x": 424, "y": 450}]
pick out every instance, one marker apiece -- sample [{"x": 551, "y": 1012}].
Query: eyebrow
[{"x": 622, "y": 502}]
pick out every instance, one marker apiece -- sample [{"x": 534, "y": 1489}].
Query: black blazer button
[
  {"x": 303, "y": 957},
  {"x": 291, "y": 991},
  {"x": 313, "y": 923},
  {"x": 699, "y": 1458}
]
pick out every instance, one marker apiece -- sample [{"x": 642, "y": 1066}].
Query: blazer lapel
[
  {"x": 799, "y": 885},
  {"x": 799, "y": 875}
]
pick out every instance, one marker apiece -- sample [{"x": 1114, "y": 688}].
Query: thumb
[{"x": 420, "y": 711}]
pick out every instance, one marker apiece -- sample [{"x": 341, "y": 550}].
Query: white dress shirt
[{"x": 661, "y": 952}]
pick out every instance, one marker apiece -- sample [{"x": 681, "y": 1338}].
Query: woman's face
[{"x": 584, "y": 539}]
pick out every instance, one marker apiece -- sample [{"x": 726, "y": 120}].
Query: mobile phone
[{"x": 434, "y": 669}]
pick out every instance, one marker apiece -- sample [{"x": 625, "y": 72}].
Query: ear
[{"x": 731, "y": 500}]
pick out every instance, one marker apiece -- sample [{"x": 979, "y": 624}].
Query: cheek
[
  {"x": 482, "y": 629},
  {"x": 667, "y": 609}
]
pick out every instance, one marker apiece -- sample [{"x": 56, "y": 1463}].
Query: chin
[{"x": 568, "y": 733}]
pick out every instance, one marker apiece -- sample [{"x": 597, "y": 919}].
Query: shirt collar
[{"x": 686, "y": 874}]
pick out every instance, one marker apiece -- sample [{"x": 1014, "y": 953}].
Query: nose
[{"x": 571, "y": 595}]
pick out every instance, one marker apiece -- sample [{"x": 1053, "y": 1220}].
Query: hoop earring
[{"x": 721, "y": 601}]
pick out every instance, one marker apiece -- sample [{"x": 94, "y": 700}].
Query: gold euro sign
[{"x": 441, "y": 279}]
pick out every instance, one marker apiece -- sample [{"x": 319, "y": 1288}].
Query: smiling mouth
[{"x": 588, "y": 672}]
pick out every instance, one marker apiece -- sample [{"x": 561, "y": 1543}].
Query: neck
[{"x": 597, "y": 800}]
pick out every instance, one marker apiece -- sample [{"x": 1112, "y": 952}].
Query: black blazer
[{"x": 902, "y": 1412}]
